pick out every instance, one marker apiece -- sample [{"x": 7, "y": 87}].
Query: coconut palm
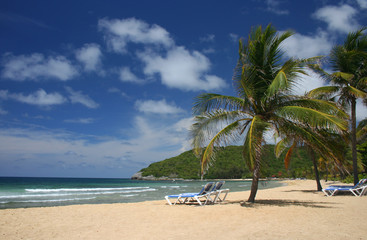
[
  {"x": 328, "y": 145},
  {"x": 263, "y": 82},
  {"x": 349, "y": 80}
]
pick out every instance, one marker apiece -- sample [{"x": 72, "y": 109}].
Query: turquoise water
[{"x": 20, "y": 192}]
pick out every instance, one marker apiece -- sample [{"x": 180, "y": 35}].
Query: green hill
[{"x": 230, "y": 165}]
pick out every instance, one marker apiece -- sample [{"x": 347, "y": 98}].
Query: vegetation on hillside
[{"x": 229, "y": 164}]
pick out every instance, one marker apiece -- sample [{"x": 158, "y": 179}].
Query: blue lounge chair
[
  {"x": 358, "y": 190},
  {"x": 184, "y": 197}
]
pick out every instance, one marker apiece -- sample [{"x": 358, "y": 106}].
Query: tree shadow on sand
[
  {"x": 305, "y": 191},
  {"x": 281, "y": 203}
]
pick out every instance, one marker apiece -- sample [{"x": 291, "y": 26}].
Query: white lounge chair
[
  {"x": 184, "y": 197},
  {"x": 217, "y": 191},
  {"x": 358, "y": 190}
]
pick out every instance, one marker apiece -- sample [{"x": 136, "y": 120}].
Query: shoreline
[
  {"x": 293, "y": 211},
  {"x": 29, "y": 193}
]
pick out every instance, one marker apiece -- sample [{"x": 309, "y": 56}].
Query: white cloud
[
  {"x": 116, "y": 90},
  {"x": 3, "y": 112},
  {"x": 208, "y": 38},
  {"x": 273, "y": 6},
  {"x": 157, "y": 107},
  {"x": 362, "y": 3},
  {"x": 80, "y": 120},
  {"x": 234, "y": 37},
  {"x": 182, "y": 69},
  {"x": 176, "y": 66},
  {"x": 36, "y": 66},
  {"x": 90, "y": 56},
  {"x": 120, "y": 32},
  {"x": 208, "y": 50},
  {"x": 338, "y": 18},
  {"x": 39, "y": 98},
  {"x": 19, "y": 19},
  {"x": 127, "y": 76},
  {"x": 32, "y": 149},
  {"x": 301, "y": 46},
  {"x": 361, "y": 110},
  {"x": 79, "y": 97},
  {"x": 308, "y": 83}
]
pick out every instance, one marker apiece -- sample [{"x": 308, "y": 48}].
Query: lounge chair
[
  {"x": 217, "y": 191},
  {"x": 184, "y": 197},
  {"x": 358, "y": 190}
]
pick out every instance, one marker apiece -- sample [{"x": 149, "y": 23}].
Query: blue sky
[{"x": 104, "y": 88}]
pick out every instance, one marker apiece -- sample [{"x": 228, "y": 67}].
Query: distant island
[{"x": 228, "y": 165}]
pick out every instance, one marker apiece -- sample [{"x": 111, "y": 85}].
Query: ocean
[{"x": 26, "y": 192}]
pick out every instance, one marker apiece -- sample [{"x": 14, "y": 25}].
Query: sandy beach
[{"x": 295, "y": 211}]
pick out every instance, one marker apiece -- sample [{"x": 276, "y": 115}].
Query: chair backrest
[
  {"x": 206, "y": 188},
  {"x": 218, "y": 186},
  {"x": 361, "y": 182}
]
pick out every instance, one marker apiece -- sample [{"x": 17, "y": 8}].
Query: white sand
[{"x": 295, "y": 211}]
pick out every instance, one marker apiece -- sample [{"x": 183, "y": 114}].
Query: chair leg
[
  {"x": 198, "y": 200},
  {"x": 169, "y": 202}
]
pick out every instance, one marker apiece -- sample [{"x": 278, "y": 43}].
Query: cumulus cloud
[
  {"x": 308, "y": 82},
  {"x": 338, "y": 18},
  {"x": 176, "y": 66},
  {"x": 127, "y": 76},
  {"x": 302, "y": 46},
  {"x": 79, "y": 97},
  {"x": 90, "y": 56},
  {"x": 182, "y": 69},
  {"x": 120, "y": 32},
  {"x": 157, "y": 107},
  {"x": 39, "y": 98},
  {"x": 36, "y": 66}
]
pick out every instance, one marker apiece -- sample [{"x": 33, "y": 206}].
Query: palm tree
[
  {"x": 332, "y": 148},
  {"x": 349, "y": 63},
  {"x": 263, "y": 83}
]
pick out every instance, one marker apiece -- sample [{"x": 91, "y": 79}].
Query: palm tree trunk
[
  {"x": 354, "y": 141},
  {"x": 255, "y": 182},
  {"x": 319, "y": 187}
]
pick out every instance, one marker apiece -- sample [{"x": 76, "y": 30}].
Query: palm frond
[
  {"x": 206, "y": 125},
  {"x": 356, "y": 92},
  {"x": 313, "y": 118},
  {"x": 324, "y": 106},
  {"x": 279, "y": 83},
  {"x": 287, "y": 158},
  {"x": 281, "y": 146},
  {"x": 345, "y": 76},
  {"x": 253, "y": 142},
  {"x": 323, "y": 92},
  {"x": 209, "y": 152},
  {"x": 209, "y": 101}
]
